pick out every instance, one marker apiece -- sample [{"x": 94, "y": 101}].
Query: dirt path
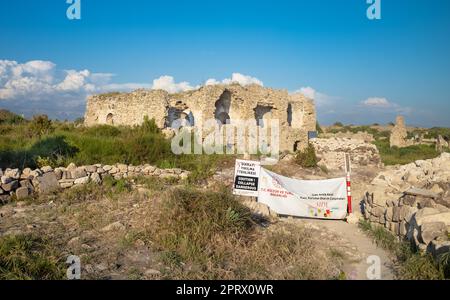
[{"x": 365, "y": 248}]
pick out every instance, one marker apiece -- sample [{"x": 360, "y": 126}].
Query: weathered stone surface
[
  {"x": 46, "y": 169},
  {"x": 78, "y": 173},
  {"x": 47, "y": 183},
  {"x": 389, "y": 213},
  {"x": 399, "y": 134},
  {"x": 122, "y": 168},
  {"x": 22, "y": 193},
  {"x": 59, "y": 173},
  {"x": 6, "y": 179},
  {"x": 421, "y": 214},
  {"x": 430, "y": 231},
  {"x": 95, "y": 177},
  {"x": 91, "y": 169},
  {"x": 66, "y": 183},
  {"x": 82, "y": 180},
  {"x": 221, "y": 102},
  {"x": 27, "y": 183},
  {"x": 13, "y": 173},
  {"x": 331, "y": 153},
  {"x": 11, "y": 186}
]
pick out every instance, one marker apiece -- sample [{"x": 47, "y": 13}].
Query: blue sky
[{"x": 360, "y": 71}]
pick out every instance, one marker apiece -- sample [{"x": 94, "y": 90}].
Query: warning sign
[{"x": 246, "y": 177}]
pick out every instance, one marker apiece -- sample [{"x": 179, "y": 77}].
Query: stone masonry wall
[
  {"x": 20, "y": 184},
  {"x": 295, "y": 113}
]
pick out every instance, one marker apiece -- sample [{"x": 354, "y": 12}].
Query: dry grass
[{"x": 210, "y": 235}]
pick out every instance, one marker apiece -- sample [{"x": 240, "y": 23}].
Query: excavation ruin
[{"x": 224, "y": 103}]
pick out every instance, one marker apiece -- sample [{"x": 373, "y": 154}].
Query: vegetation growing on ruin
[{"x": 307, "y": 158}]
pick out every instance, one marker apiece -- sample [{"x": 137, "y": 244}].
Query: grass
[
  {"x": 27, "y": 257},
  {"x": 58, "y": 144},
  {"x": 210, "y": 235},
  {"x": 411, "y": 265},
  {"x": 394, "y": 155}
]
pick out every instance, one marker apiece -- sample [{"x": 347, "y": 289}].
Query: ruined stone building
[
  {"x": 399, "y": 134},
  {"x": 296, "y": 113}
]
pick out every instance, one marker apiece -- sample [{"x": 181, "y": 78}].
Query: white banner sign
[
  {"x": 246, "y": 178},
  {"x": 323, "y": 199}
]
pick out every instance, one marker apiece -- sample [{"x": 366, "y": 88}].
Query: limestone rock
[
  {"x": 22, "y": 193},
  {"x": 95, "y": 177},
  {"x": 11, "y": 186},
  {"x": 430, "y": 231},
  {"x": 82, "y": 180},
  {"x": 116, "y": 226},
  {"x": 47, "y": 183},
  {"x": 78, "y": 173}
]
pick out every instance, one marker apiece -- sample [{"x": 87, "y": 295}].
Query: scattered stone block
[{"x": 22, "y": 193}]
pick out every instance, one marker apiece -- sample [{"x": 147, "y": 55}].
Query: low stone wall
[
  {"x": 23, "y": 183},
  {"x": 416, "y": 215}
]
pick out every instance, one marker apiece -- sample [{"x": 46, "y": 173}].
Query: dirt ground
[{"x": 105, "y": 231}]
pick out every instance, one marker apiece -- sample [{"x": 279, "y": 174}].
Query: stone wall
[
  {"x": 413, "y": 201},
  {"x": 20, "y": 184},
  {"x": 415, "y": 216},
  {"x": 223, "y": 103},
  {"x": 361, "y": 135},
  {"x": 330, "y": 153}
]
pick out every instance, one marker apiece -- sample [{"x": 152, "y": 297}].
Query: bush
[
  {"x": 40, "y": 125},
  {"x": 307, "y": 158},
  {"x": 338, "y": 124}
]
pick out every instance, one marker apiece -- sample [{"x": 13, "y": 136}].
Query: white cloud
[
  {"x": 236, "y": 78},
  {"x": 382, "y": 103},
  {"x": 377, "y": 102},
  {"x": 168, "y": 84},
  {"x": 319, "y": 98}
]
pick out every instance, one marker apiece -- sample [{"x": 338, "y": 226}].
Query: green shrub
[
  {"x": 40, "y": 125},
  {"x": 307, "y": 158}
]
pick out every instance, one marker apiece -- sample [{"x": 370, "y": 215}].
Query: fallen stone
[
  {"x": 47, "y": 183},
  {"x": 11, "y": 186},
  {"x": 116, "y": 226},
  {"x": 95, "y": 177},
  {"x": 430, "y": 231},
  {"x": 422, "y": 213},
  {"x": 82, "y": 180},
  {"x": 22, "y": 193},
  {"x": 78, "y": 173},
  {"x": 437, "y": 248},
  {"x": 6, "y": 179},
  {"x": 422, "y": 193},
  {"x": 66, "y": 183},
  {"x": 58, "y": 173},
  {"x": 71, "y": 167}
]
